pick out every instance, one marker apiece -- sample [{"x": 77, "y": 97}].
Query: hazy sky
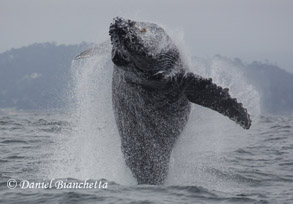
[{"x": 247, "y": 29}]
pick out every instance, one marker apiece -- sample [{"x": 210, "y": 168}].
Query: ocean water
[
  {"x": 73, "y": 155},
  {"x": 254, "y": 166}
]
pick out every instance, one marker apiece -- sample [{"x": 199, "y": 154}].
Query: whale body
[{"x": 152, "y": 93}]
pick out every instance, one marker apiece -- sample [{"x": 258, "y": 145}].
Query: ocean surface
[
  {"x": 73, "y": 155},
  {"x": 253, "y": 166}
]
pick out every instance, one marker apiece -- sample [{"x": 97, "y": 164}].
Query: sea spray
[
  {"x": 91, "y": 149},
  {"x": 199, "y": 155}
]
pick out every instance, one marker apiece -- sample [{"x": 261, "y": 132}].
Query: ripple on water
[{"x": 9, "y": 141}]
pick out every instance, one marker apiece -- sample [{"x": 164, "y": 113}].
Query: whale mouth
[
  {"x": 126, "y": 41},
  {"x": 124, "y": 35},
  {"x": 136, "y": 43}
]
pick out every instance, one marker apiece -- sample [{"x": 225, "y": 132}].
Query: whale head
[{"x": 142, "y": 45}]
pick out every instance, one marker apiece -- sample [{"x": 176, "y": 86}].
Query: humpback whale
[{"x": 152, "y": 93}]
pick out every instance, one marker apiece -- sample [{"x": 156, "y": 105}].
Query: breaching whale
[{"x": 152, "y": 93}]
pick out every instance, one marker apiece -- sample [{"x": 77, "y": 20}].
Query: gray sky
[{"x": 248, "y": 29}]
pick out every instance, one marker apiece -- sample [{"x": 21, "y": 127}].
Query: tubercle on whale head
[
  {"x": 119, "y": 25},
  {"x": 119, "y": 29}
]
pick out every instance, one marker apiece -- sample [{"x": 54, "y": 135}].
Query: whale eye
[{"x": 143, "y": 30}]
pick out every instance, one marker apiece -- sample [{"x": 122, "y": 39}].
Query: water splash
[
  {"x": 228, "y": 74},
  {"x": 91, "y": 149},
  {"x": 199, "y": 156}
]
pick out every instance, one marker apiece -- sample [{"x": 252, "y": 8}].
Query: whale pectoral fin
[
  {"x": 203, "y": 92},
  {"x": 88, "y": 53},
  {"x": 94, "y": 51}
]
